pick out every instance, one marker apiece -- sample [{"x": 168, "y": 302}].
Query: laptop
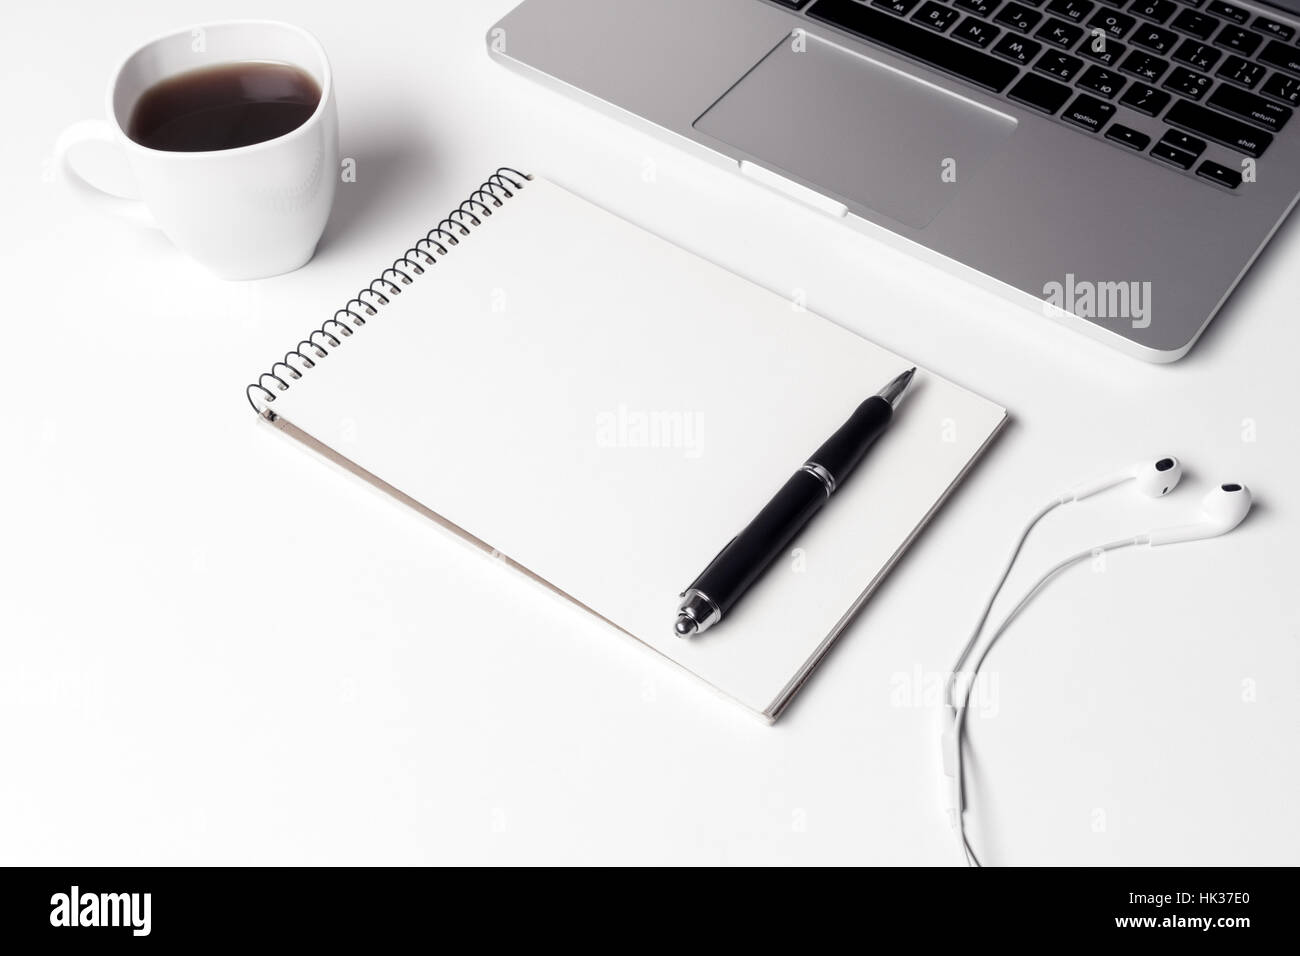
[{"x": 1114, "y": 164}]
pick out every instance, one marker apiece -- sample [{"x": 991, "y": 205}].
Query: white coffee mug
[{"x": 245, "y": 213}]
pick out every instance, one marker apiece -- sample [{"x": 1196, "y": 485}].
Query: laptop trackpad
[{"x": 857, "y": 129}]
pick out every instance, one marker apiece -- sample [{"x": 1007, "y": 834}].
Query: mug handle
[{"x": 98, "y": 131}]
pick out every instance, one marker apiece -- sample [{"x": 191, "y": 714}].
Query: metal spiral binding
[{"x": 492, "y": 193}]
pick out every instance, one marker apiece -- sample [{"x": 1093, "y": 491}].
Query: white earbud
[
  {"x": 1221, "y": 510},
  {"x": 1155, "y": 479}
]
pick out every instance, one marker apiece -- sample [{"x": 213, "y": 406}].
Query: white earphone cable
[
  {"x": 950, "y": 740},
  {"x": 959, "y": 731},
  {"x": 951, "y": 743},
  {"x": 988, "y": 607}
]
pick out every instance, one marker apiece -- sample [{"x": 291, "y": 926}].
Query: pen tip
[
  {"x": 684, "y": 626},
  {"x": 894, "y": 390}
]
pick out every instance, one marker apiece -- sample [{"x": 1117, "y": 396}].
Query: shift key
[{"x": 1220, "y": 128}]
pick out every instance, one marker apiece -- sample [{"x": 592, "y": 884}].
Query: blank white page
[{"x": 608, "y": 410}]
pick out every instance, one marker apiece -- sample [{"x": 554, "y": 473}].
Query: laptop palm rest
[{"x": 857, "y": 130}]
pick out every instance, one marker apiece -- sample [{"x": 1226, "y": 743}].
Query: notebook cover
[{"x": 608, "y": 410}]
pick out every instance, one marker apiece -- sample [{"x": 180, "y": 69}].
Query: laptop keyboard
[{"x": 1208, "y": 70}]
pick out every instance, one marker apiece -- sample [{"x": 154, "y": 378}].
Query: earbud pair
[{"x": 1222, "y": 509}]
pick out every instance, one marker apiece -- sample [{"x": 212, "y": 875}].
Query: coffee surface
[{"x": 223, "y": 107}]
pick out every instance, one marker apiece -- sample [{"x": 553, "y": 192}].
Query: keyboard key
[
  {"x": 1072, "y": 10},
  {"x": 1017, "y": 48},
  {"x": 1282, "y": 56},
  {"x": 1115, "y": 3},
  {"x": 1114, "y": 24},
  {"x": 1145, "y": 99},
  {"x": 1058, "y": 64},
  {"x": 1157, "y": 10},
  {"x": 1220, "y": 128},
  {"x": 1088, "y": 113},
  {"x": 1106, "y": 52},
  {"x": 1189, "y": 84},
  {"x": 901, "y": 7},
  {"x": 1128, "y": 137},
  {"x": 1240, "y": 71},
  {"x": 1183, "y": 141},
  {"x": 1228, "y": 10},
  {"x": 1273, "y": 28},
  {"x": 1283, "y": 88},
  {"x": 1059, "y": 33},
  {"x": 935, "y": 16},
  {"x": 1172, "y": 154},
  {"x": 1016, "y": 17},
  {"x": 1197, "y": 24},
  {"x": 976, "y": 31},
  {"x": 1155, "y": 39},
  {"x": 1250, "y": 107},
  {"x": 1193, "y": 3},
  {"x": 1243, "y": 41},
  {"x": 1222, "y": 175},
  {"x": 1197, "y": 54},
  {"x": 1101, "y": 81},
  {"x": 917, "y": 42},
  {"x": 981, "y": 7},
  {"x": 1040, "y": 93},
  {"x": 1144, "y": 66}
]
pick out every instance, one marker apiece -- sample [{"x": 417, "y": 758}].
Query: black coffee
[{"x": 223, "y": 107}]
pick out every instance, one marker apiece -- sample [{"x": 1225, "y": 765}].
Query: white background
[{"x": 215, "y": 650}]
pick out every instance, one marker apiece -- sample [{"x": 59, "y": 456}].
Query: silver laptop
[{"x": 1115, "y": 164}]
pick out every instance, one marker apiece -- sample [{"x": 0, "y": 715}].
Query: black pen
[{"x": 711, "y": 596}]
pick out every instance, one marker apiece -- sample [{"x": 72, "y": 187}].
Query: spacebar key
[{"x": 917, "y": 42}]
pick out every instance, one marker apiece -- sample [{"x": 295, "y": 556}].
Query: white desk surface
[{"x": 217, "y": 651}]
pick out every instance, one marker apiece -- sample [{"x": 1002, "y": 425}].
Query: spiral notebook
[{"x": 607, "y": 410}]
